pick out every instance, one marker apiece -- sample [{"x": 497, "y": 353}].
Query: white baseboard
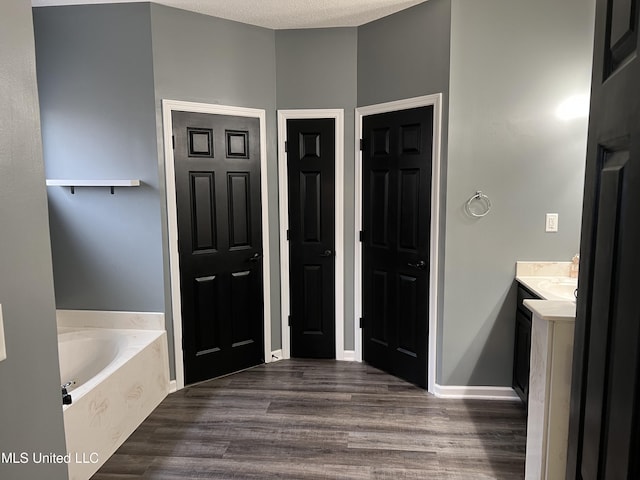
[
  {"x": 173, "y": 386},
  {"x": 475, "y": 393},
  {"x": 349, "y": 356}
]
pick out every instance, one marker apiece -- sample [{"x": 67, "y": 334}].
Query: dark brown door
[
  {"x": 604, "y": 433},
  {"x": 310, "y": 174},
  {"x": 396, "y": 211},
  {"x": 217, "y": 165}
]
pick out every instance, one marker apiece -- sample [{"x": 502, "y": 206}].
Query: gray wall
[
  {"x": 407, "y": 55},
  {"x": 211, "y": 60},
  {"x": 512, "y": 63},
  {"x": 30, "y": 404},
  {"x": 316, "y": 68},
  {"x": 95, "y": 79}
]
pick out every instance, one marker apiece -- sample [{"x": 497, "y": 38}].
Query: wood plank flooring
[{"x": 321, "y": 419}]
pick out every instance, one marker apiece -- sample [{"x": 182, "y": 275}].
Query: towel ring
[{"x": 481, "y": 197}]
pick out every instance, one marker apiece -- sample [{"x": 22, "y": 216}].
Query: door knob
[
  {"x": 421, "y": 265},
  {"x": 256, "y": 256},
  {"x": 326, "y": 253}
]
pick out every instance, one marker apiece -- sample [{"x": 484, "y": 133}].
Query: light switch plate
[
  {"x": 551, "y": 224},
  {"x": 3, "y": 350}
]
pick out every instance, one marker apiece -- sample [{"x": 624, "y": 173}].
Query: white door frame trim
[
  {"x": 283, "y": 116},
  {"x": 426, "y": 100},
  {"x": 168, "y": 106}
]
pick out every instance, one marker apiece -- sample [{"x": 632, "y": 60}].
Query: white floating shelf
[{"x": 92, "y": 183}]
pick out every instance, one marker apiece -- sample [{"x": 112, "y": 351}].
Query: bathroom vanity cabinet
[
  {"x": 522, "y": 344},
  {"x": 549, "y": 388}
]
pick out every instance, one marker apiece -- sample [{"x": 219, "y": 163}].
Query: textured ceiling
[{"x": 278, "y": 14}]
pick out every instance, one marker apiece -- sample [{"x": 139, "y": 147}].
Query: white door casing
[
  {"x": 283, "y": 116},
  {"x": 168, "y": 106},
  {"x": 436, "y": 101}
]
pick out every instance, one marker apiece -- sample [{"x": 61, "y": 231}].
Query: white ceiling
[{"x": 277, "y": 14}]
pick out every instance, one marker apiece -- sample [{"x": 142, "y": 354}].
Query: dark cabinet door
[
  {"x": 311, "y": 189},
  {"x": 217, "y": 168},
  {"x": 396, "y": 177},
  {"x": 522, "y": 352},
  {"x": 604, "y": 428},
  {"x": 522, "y": 345}
]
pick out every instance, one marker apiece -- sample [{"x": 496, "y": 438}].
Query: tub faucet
[{"x": 66, "y": 396}]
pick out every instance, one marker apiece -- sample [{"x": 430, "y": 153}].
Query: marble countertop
[
  {"x": 543, "y": 269},
  {"x": 552, "y": 282},
  {"x": 552, "y": 310},
  {"x": 551, "y": 288}
]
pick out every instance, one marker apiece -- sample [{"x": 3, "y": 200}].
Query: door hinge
[
  {"x": 173, "y": 141},
  {"x": 361, "y": 322},
  {"x": 361, "y": 235},
  {"x": 286, "y": 146},
  {"x": 288, "y": 235},
  {"x": 289, "y": 320},
  {"x": 362, "y": 144}
]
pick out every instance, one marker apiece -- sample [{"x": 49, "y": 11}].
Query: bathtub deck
[
  {"x": 112, "y": 404},
  {"x": 304, "y": 419}
]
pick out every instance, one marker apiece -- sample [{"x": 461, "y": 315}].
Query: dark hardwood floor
[{"x": 320, "y": 419}]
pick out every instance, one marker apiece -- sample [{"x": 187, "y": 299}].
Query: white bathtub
[
  {"x": 84, "y": 354},
  {"x": 120, "y": 376}
]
